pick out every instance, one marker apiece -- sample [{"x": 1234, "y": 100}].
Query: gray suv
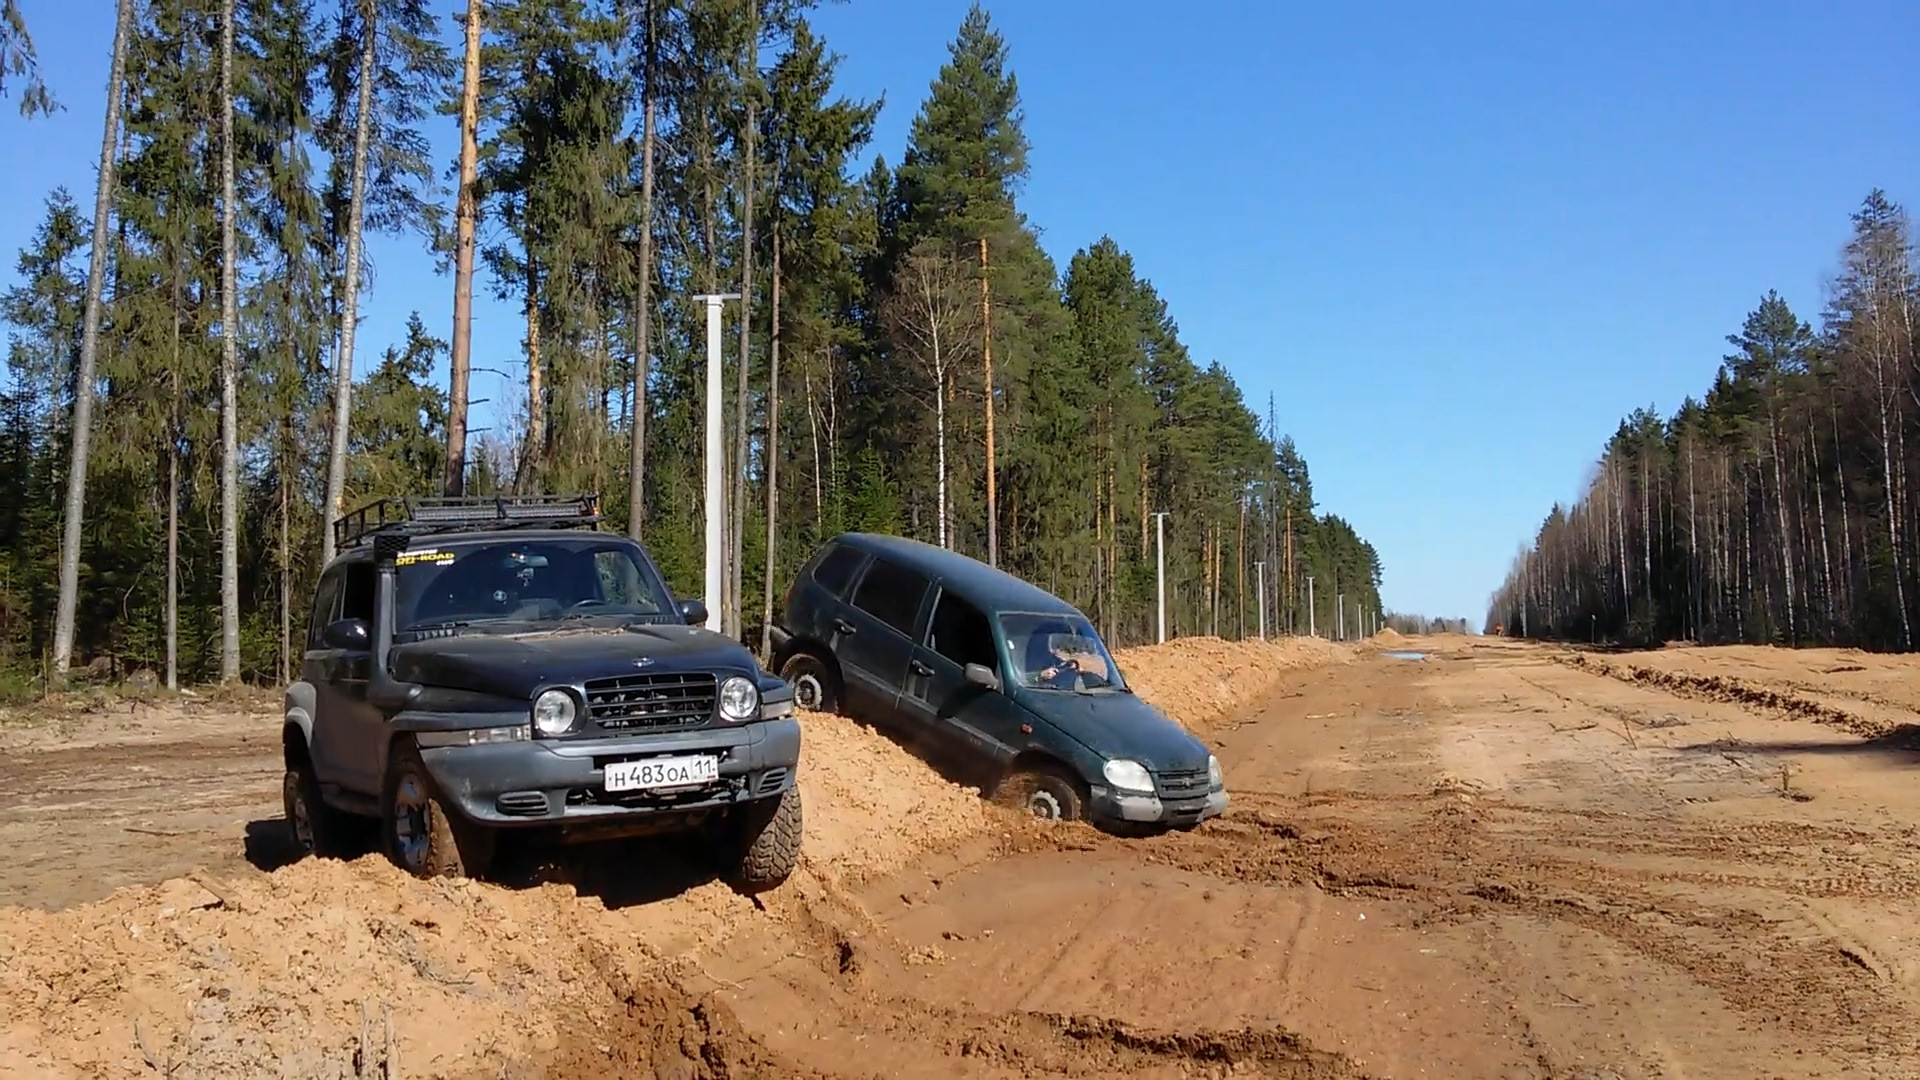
[
  {"x": 971, "y": 665},
  {"x": 476, "y": 666}
]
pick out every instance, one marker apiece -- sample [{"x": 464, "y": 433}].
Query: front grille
[
  {"x": 652, "y": 702},
  {"x": 1183, "y": 784}
]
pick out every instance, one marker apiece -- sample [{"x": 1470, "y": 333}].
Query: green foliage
[
  {"x": 1777, "y": 507},
  {"x": 1101, "y": 416}
]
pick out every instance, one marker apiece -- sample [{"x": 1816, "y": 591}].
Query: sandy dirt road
[{"x": 1494, "y": 861}]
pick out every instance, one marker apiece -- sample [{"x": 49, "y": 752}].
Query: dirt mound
[
  {"x": 1731, "y": 690},
  {"x": 1388, "y": 634},
  {"x": 1196, "y": 680},
  {"x": 349, "y": 969},
  {"x": 870, "y": 806}
]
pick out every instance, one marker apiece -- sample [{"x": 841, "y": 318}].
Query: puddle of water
[{"x": 1403, "y": 654}]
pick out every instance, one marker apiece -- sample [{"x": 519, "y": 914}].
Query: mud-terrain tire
[
  {"x": 815, "y": 686},
  {"x": 420, "y": 831},
  {"x": 768, "y": 842},
  {"x": 1043, "y": 793},
  {"x": 313, "y": 827}
]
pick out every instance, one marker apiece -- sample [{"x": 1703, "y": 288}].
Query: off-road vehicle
[
  {"x": 480, "y": 665},
  {"x": 972, "y": 666}
]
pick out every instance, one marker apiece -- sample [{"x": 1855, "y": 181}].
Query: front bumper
[
  {"x": 1141, "y": 808},
  {"x": 538, "y": 783}
]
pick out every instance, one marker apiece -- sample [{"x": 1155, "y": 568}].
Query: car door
[
  {"x": 972, "y": 724},
  {"x": 356, "y": 732},
  {"x": 873, "y": 636}
]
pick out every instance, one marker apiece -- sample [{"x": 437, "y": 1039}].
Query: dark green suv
[{"x": 967, "y": 663}]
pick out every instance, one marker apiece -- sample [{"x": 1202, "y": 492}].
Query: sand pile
[
  {"x": 1388, "y": 635},
  {"x": 297, "y": 972},
  {"x": 1196, "y": 680}
]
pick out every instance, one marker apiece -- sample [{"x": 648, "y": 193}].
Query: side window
[
  {"x": 892, "y": 594},
  {"x": 357, "y": 595},
  {"x": 326, "y": 599},
  {"x": 620, "y": 582},
  {"x": 836, "y": 568},
  {"x": 961, "y": 633}
]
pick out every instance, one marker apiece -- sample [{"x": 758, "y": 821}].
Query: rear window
[
  {"x": 891, "y": 593},
  {"x": 836, "y": 568}
]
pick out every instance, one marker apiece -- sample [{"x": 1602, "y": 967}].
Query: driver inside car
[{"x": 1046, "y": 666}]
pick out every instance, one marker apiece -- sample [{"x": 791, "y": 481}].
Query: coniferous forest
[
  {"x": 910, "y": 359},
  {"x": 1777, "y": 509}
]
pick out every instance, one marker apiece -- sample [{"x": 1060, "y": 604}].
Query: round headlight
[
  {"x": 1128, "y": 775},
  {"x": 553, "y": 712},
  {"x": 1215, "y": 778},
  {"x": 739, "y": 699}
]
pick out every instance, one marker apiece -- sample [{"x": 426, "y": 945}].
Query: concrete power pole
[
  {"x": 1160, "y": 570},
  {"x": 716, "y": 460},
  {"x": 1311, "y": 630},
  {"x": 1339, "y": 616},
  {"x": 1260, "y": 581}
]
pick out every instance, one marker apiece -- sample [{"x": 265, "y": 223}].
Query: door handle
[
  {"x": 919, "y": 668},
  {"x": 843, "y": 626}
]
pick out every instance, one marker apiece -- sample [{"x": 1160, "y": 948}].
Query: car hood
[
  {"x": 514, "y": 665},
  {"x": 1120, "y": 725}
]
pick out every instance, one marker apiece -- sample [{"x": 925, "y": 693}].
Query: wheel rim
[
  {"x": 410, "y": 820},
  {"x": 298, "y": 815},
  {"x": 1043, "y": 805},
  {"x": 808, "y": 692}
]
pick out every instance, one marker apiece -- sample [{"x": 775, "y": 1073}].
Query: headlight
[
  {"x": 553, "y": 712},
  {"x": 739, "y": 700},
  {"x": 1128, "y": 776},
  {"x": 1216, "y": 780}
]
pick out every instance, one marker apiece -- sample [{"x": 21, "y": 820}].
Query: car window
[
  {"x": 961, "y": 633},
  {"x": 836, "y": 568},
  {"x": 891, "y": 593},
  {"x": 325, "y": 598},
  {"x": 537, "y": 579},
  {"x": 357, "y": 596}
]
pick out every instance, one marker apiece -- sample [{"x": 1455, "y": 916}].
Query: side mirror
[
  {"x": 982, "y": 676},
  {"x": 693, "y": 612},
  {"x": 349, "y": 634}
]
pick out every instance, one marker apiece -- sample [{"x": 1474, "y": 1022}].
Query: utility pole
[
  {"x": 1160, "y": 570},
  {"x": 1339, "y": 616},
  {"x": 1311, "y": 631},
  {"x": 1260, "y": 581},
  {"x": 716, "y": 460}
]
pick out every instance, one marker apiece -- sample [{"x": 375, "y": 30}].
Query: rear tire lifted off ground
[
  {"x": 421, "y": 833},
  {"x": 814, "y": 687},
  {"x": 1043, "y": 793}
]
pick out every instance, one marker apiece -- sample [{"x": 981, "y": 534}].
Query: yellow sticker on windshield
[{"x": 431, "y": 555}]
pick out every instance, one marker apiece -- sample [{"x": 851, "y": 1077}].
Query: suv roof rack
[{"x": 430, "y": 515}]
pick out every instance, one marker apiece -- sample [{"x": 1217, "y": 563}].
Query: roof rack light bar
[{"x": 421, "y": 515}]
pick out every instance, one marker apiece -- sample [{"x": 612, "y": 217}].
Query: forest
[
  {"x": 186, "y": 405},
  {"x": 1779, "y": 508}
]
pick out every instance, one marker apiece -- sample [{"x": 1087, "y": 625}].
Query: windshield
[
  {"x": 1058, "y": 652},
  {"x": 521, "y": 581}
]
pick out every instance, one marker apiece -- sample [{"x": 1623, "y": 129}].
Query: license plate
[{"x": 662, "y": 772}]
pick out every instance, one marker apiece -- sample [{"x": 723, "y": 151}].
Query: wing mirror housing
[
  {"x": 693, "y": 612},
  {"x": 982, "y": 676},
  {"x": 348, "y": 634}
]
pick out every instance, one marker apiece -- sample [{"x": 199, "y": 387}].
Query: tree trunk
[
  {"x": 643, "y": 307},
  {"x": 349, "y": 316},
  {"x": 173, "y": 491},
  {"x": 813, "y": 433},
  {"x": 229, "y": 374},
  {"x": 534, "y": 455},
  {"x": 986, "y": 360},
  {"x": 89, "y": 348},
  {"x": 466, "y": 213},
  {"x": 772, "y": 455},
  {"x": 737, "y": 503}
]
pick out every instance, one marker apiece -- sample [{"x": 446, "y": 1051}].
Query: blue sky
[{"x": 1456, "y": 242}]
